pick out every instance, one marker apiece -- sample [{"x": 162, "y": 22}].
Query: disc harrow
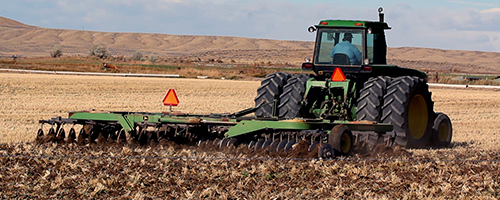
[{"x": 269, "y": 135}]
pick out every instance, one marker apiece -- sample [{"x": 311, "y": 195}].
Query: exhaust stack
[{"x": 380, "y": 14}]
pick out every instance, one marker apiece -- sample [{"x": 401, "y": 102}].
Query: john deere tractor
[{"x": 362, "y": 87}]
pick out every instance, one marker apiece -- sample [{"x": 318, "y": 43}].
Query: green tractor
[{"x": 353, "y": 82}]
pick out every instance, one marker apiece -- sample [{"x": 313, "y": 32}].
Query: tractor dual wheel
[
  {"x": 291, "y": 99},
  {"x": 271, "y": 87},
  {"x": 369, "y": 108},
  {"x": 409, "y": 108},
  {"x": 371, "y": 98},
  {"x": 442, "y": 131}
]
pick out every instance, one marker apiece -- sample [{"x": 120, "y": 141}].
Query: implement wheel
[
  {"x": 409, "y": 108},
  {"x": 271, "y": 87},
  {"x": 442, "y": 131},
  {"x": 342, "y": 140}
]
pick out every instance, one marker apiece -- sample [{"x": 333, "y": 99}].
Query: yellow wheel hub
[
  {"x": 418, "y": 116},
  {"x": 345, "y": 143},
  {"x": 443, "y": 132}
]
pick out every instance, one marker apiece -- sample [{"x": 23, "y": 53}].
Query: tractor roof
[{"x": 353, "y": 24}]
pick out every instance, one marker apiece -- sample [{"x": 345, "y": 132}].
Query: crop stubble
[{"x": 26, "y": 98}]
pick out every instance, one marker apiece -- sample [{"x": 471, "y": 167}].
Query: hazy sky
[{"x": 444, "y": 24}]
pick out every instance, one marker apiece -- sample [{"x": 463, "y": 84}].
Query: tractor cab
[{"x": 352, "y": 45}]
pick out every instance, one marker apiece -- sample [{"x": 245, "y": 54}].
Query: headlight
[{"x": 311, "y": 29}]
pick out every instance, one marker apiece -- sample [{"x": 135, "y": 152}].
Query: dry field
[
  {"x": 470, "y": 169},
  {"x": 26, "y": 98}
]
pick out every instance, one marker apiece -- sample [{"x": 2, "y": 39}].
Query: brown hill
[
  {"x": 35, "y": 41},
  {"x": 31, "y": 41},
  {"x": 6, "y": 22},
  {"x": 445, "y": 60}
]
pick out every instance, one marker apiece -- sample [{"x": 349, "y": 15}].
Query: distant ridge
[
  {"x": 32, "y": 41},
  {"x": 6, "y": 22}
]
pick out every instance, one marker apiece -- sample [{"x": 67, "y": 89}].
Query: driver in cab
[{"x": 345, "y": 47}]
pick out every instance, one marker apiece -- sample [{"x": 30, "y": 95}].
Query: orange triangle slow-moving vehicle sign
[
  {"x": 171, "y": 98},
  {"x": 338, "y": 75}
]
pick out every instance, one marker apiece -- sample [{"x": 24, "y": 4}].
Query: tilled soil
[{"x": 69, "y": 171}]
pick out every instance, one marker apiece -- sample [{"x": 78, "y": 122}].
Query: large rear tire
[
  {"x": 409, "y": 108},
  {"x": 371, "y": 99},
  {"x": 291, "y": 99},
  {"x": 271, "y": 87}
]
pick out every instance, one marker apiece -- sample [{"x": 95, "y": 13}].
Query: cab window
[
  {"x": 369, "y": 46},
  {"x": 340, "y": 46}
]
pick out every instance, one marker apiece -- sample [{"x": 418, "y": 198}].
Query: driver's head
[{"x": 347, "y": 37}]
